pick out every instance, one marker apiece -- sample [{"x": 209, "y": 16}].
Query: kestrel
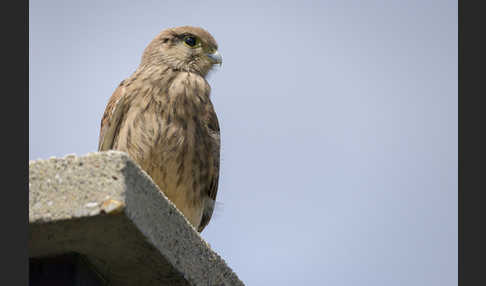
[{"x": 162, "y": 116}]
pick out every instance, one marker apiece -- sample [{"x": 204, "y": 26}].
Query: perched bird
[{"x": 162, "y": 116}]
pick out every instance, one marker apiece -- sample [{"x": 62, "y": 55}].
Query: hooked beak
[{"x": 216, "y": 58}]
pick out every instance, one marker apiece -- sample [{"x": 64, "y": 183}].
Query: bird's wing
[
  {"x": 112, "y": 118},
  {"x": 213, "y": 125},
  {"x": 212, "y": 190}
]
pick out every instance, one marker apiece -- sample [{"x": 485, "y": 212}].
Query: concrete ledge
[{"x": 106, "y": 208}]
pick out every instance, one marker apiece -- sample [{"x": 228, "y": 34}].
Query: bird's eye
[{"x": 190, "y": 41}]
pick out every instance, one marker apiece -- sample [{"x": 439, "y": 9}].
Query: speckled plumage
[{"x": 162, "y": 116}]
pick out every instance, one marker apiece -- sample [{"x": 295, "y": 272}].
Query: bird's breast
[{"x": 166, "y": 133}]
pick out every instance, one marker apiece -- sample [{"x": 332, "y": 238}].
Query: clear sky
[{"x": 338, "y": 123}]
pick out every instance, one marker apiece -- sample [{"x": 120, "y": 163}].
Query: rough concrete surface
[{"x": 105, "y": 207}]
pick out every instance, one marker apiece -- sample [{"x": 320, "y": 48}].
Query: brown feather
[{"x": 111, "y": 119}]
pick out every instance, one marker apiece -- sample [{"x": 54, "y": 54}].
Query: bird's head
[{"x": 185, "y": 48}]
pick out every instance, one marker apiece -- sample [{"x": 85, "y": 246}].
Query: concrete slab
[{"x": 106, "y": 208}]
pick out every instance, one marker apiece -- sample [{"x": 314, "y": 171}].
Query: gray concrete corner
[{"x": 106, "y": 208}]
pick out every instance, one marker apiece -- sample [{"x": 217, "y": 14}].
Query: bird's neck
[{"x": 160, "y": 74}]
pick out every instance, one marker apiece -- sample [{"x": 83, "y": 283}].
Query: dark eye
[{"x": 190, "y": 41}]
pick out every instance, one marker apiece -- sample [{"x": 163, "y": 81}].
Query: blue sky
[{"x": 338, "y": 123}]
